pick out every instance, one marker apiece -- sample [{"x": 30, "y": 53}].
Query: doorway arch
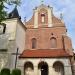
[{"x": 43, "y": 68}]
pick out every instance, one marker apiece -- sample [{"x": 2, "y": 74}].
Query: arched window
[
  {"x": 53, "y": 42},
  {"x": 58, "y": 68},
  {"x": 34, "y": 43},
  {"x": 42, "y": 17},
  {"x": 28, "y": 68}
]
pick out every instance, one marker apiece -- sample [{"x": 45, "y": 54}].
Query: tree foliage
[
  {"x": 16, "y": 72},
  {"x": 2, "y": 12},
  {"x": 16, "y": 2},
  {"x": 5, "y": 71},
  {"x": 2, "y": 6}
]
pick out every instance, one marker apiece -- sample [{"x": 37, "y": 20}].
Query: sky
[{"x": 66, "y": 7}]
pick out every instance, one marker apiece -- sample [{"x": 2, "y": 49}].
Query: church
[{"x": 39, "y": 46}]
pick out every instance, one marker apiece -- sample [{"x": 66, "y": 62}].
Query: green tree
[
  {"x": 16, "y": 2},
  {"x": 16, "y": 72},
  {"x": 2, "y": 6},
  {"x": 2, "y": 12},
  {"x": 5, "y": 71}
]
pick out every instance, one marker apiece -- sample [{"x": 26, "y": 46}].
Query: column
[
  {"x": 36, "y": 70},
  {"x": 67, "y": 70},
  {"x": 51, "y": 71}
]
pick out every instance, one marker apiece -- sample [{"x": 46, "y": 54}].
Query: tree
[
  {"x": 16, "y": 72},
  {"x": 2, "y": 12},
  {"x": 5, "y": 71},
  {"x": 16, "y": 2},
  {"x": 2, "y": 6}
]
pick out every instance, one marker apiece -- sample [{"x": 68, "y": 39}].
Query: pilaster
[
  {"x": 67, "y": 70},
  {"x": 51, "y": 72},
  {"x": 36, "y": 70},
  {"x": 35, "y": 19}
]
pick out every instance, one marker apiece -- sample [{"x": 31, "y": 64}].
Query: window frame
[
  {"x": 43, "y": 18},
  {"x": 34, "y": 42},
  {"x": 53, "y": 42}
]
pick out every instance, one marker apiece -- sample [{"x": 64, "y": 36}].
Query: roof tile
[{"x": 44, "y": 53}]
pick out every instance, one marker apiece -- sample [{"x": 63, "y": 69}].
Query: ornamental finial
[
  {"x": 61, "y": 16},
  {"x": 42, "y": 1}
]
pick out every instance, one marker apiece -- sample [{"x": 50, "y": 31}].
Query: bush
[
  {"x": 16, "y": 72},
  {"x": 5, "y": 71}
]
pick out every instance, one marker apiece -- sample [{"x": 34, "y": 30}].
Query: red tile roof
[{"x": 52, "y": 53}]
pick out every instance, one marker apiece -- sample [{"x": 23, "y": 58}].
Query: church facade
[
  {"x": 48, "y": 49},
  {"x": 42, "y": 42}
]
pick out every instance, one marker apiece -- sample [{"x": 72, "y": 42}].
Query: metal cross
[
  {"x": 16, "y": 54},
  {"x": 25, "y": 19},
  {"x": 61, "y": 16}
]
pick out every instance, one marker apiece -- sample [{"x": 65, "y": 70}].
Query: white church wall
[
  {"x": 50, "y": 62},
  {"x": 3, "y": 59},
  {"x": 11, "y": 28},
  {"x": 7, "y": 39},
  {"x": 3, "y": 41},
  {"x": 20, "y": 42},
  {"x": 10, "y": 33},
  {"x": 20, "y": 37},
  {"x": 16, "y": 36}
]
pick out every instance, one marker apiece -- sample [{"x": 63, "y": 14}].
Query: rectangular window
[{"x": 43, "y": 19}]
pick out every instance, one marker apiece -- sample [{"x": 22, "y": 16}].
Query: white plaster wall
[
  {"x": 19, "y": 42},
  {"x": 11, "y": 28},
  {"x": 20, "y": 38},
  {"x": 3, "y": 41},
  {"x": 50, "y": 62},
  {"x": 16, "y": 36},
  {"x": 10, "y": 32}
]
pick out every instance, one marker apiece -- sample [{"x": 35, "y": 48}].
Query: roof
[
  {"x": 14, "y": 13},
  {"x": 56, "y": 21},
  {"x": 50, "y": 53}
]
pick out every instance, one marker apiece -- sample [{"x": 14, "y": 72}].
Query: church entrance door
[{"x": 43, "y": 68}]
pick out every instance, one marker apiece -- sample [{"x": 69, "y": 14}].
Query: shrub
[
  {"x": 16, "y": 72},
  {"x": 5, "y": 71}
]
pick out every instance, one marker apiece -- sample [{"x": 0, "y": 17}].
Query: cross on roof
[{"x": 61, "y": 16}]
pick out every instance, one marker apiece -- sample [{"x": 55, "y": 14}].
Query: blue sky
[{"x": 66, "y": 7}]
